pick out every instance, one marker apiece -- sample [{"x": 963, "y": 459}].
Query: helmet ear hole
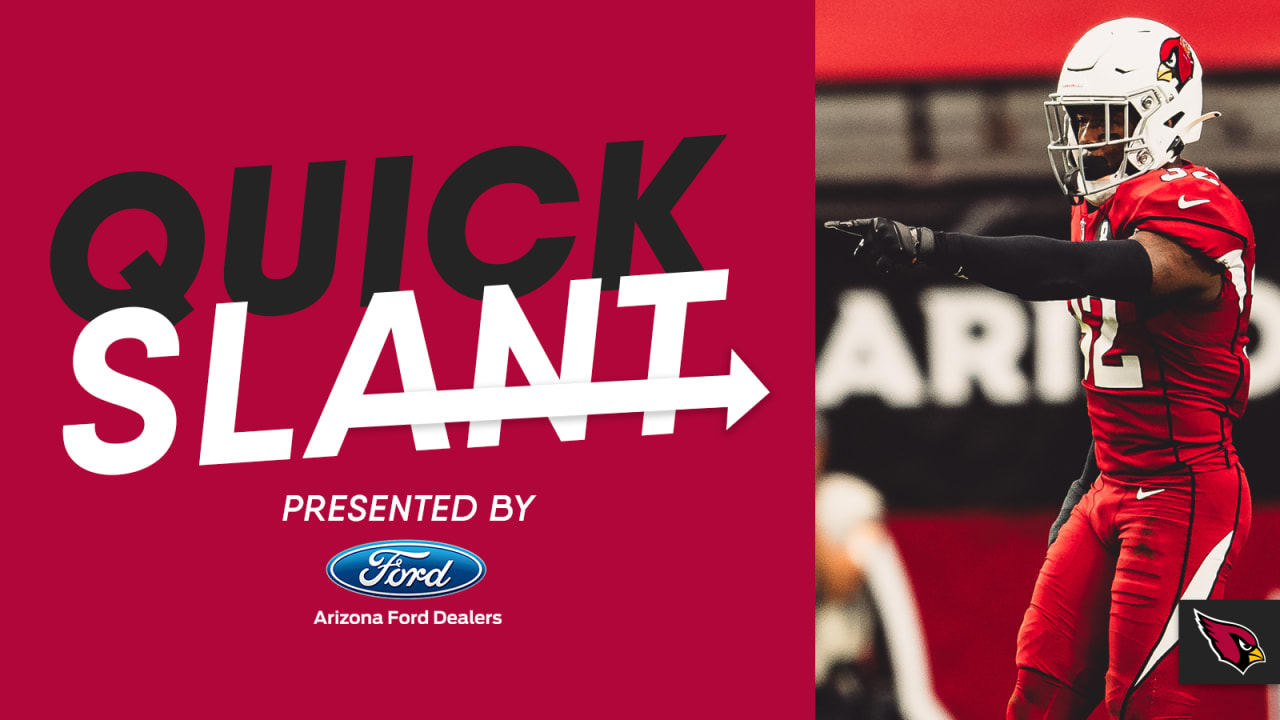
[{"x": 1173, "y": 121}]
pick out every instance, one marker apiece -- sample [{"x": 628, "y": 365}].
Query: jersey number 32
[{"x": 1096, "y": 341}]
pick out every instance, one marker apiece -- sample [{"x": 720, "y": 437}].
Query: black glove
[
  {"x": 1075, "y": 492},
  {"x": 888, "y": 244}
]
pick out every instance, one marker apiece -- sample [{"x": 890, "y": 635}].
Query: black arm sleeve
[
  {"x": 1040, "y": 268},
  {"x": 1075, "y": 492}
]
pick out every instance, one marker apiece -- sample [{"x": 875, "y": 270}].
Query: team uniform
[{"x": 1167, "y": 516}]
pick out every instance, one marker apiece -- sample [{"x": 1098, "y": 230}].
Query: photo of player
[
  {"x": 1145, "y": 252},
  {"x": 1155, "y": 265}
]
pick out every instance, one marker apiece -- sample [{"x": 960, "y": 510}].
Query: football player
[{"x": 1158, "y": 272}]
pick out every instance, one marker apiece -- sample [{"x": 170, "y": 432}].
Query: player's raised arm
[{"x": 1041, "y": 268}]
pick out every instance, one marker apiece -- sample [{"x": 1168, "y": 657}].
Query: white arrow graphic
[{"x": 739, "y": 391}]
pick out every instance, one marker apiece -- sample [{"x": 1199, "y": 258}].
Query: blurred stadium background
[{"x": 962, "y": 405}]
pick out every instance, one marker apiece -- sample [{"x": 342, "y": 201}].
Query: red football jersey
[{"x": 1164, "y": 383}]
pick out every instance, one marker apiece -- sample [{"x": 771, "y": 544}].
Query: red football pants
[{"x": 1103, "y": 622}]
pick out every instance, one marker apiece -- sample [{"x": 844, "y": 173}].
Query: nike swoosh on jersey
[
  {"x": 1184, "y": 203},
  {"x": 1143, "y": 493}
]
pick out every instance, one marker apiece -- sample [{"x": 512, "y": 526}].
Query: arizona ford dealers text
[
  {"x": 395, "y": 617},
  {"x": 416, "y": 508}
]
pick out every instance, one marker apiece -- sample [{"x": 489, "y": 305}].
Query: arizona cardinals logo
[
  {"x": 1235, "y": 645},
  {"x": 1175, "y": 62}
]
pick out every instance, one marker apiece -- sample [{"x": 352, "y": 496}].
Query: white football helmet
[{"x": 1135, "y": 73}]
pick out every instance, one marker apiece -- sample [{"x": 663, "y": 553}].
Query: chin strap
[
  {"x": 1175, "y": 147},
  {"x": 1202, "y": 118}
]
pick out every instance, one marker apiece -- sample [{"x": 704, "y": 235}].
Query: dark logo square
[{"x": 1229, "y": 641}]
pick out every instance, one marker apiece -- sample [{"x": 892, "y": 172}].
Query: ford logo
[{"x": 405, "y": 569}]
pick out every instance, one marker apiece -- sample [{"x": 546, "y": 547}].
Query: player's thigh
[
  {"x": 1179, "y": 544},
  {"x": 1064, "y": 631}
]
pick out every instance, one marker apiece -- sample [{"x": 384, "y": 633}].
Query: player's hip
[
  {"x": 1217, "y": 500},
  {"x": 1213, "y": 477}
]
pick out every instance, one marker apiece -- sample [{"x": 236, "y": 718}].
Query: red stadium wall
[
  {"x": 973, "y": 571},
  {"x": 891, "y": 40}
]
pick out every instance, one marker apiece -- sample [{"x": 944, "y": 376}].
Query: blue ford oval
[{"x": 405, "y": 569}]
